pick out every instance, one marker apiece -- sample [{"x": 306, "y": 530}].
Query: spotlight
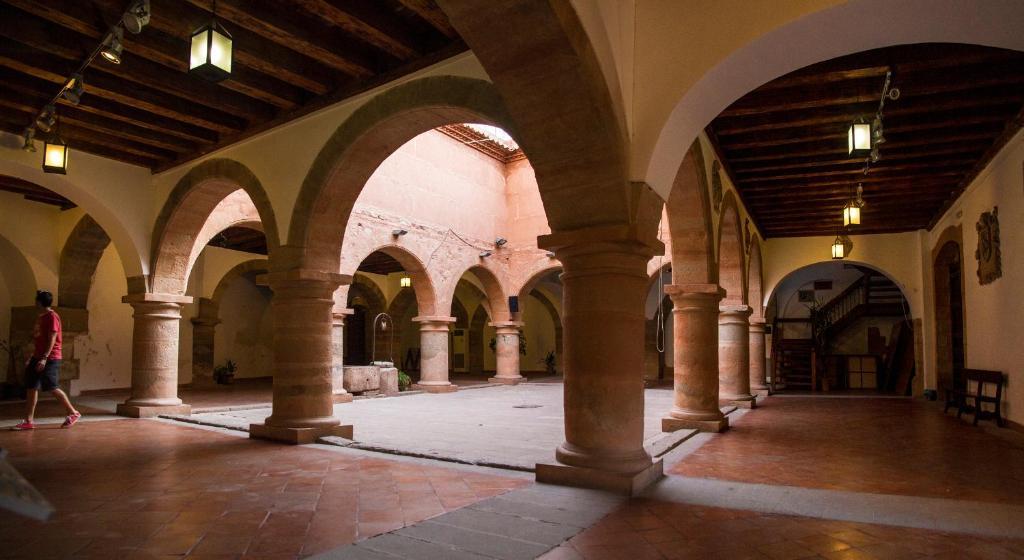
[
  {"x": 485, "y": 254},
  {"x": 46, "y": 120},
  {"x": 29, "y": 145},
  {"x": 398, "y": 232},
  {"x": 113, "y": 49},
  {"x": 136, "y": 17},
  {"x": 551, "y": 254},
  {"x": 74, "y": 89},
  {"x": 500, "y": 241}
]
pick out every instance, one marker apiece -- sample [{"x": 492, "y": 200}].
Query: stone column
[
  {"x": 204, "y": 332},
  {"x": 734, "y": 355},
  {"x": 303, "y": 407},
  {"x": 758, "y": 367},
  {"x": 434, "y": 355},
  {"x": 695, "y": 358},
  {"x": 506, "y": 351},
  {"x": 605, "y": 285},
  {"x": 340, "y": 395},
  {"x": 157, "y": 321}
]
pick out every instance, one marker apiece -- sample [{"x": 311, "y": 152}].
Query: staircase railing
[{"x": 856, "y": 294}]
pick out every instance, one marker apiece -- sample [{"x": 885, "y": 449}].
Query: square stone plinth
[
  {"x": 581, "y": 477},
  {"x": 762, "y": 392},
  {"x": 136, "y": 411},
  {"x": 670, "y": 424},
  {"x": 341, "y": 398},
  {"x": 744, "y": 402},
  {"x": 297, "y": 436},
  {"x": 506, "y": 380},
  {"x": 435, "y": 388}
]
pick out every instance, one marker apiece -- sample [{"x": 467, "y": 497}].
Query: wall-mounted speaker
[{"x": 513, "y": 304}]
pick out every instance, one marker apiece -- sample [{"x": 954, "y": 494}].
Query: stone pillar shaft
[
  {"x": 758, "y": 367},
  {"x": 204, "y": 333},
  {"x": 695, "y": 358},
  {"x": 303, "y": 407},
  {"x": 434, "y": 354},
  {"x": 506, "y": 350},
  {"x": 156, "y": 324},
  {"x": 734, "y": 355},
  {"x": 605, "y": 285},
  {"x": 338, "y": 356}
]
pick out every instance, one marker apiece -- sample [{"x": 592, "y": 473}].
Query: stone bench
[{"x": 382, "y": 377}]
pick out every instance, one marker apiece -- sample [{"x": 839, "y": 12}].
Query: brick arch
[
  {"x": 212, "y": 196},
  {"x": 755, "y": 279},
  {"x": 369, "y": 136},
  {"x": 422, "y": 283},
  {"x": 494, "y": 290},
  {"x": 536, "y": 277},
  {"x": 18, "y": 275},
  {"x": 78, "y": 261},
  {"x": 731, "y": 269},
  {"x": 688, "y": 211},
  {"x": 258, "y": 266},
  {"x": 569, "y": 111}
]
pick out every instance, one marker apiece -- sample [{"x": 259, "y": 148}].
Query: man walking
[{"x": 42, "y": 372}]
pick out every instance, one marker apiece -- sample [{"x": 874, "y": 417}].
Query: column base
[
  {"x": 341, "y": 398},
  {"x": 745, "y": 401},
  {"x": 507, "y": 380},
  {"x": 298, "y": 436},
  {"x": 761, "y": 391},
  {"x": 152, "y": 411},
  {"x": 449, "y": 388},
  {"x": 671, "y": 424},
  {"x": 582, "y": 477}
]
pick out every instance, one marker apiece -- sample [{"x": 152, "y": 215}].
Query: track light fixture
[
  {"x": 485, "y": 254},
  {"x": 46, "y": 119},
  {"x": 113, "y": 48},
  {"x": 551, "y": 254},
  {"x": 500, "y": 241},
  {"x": 74, "y": 89},
  {"x": 398, "y": 232},
  {"x": 29, "y": 135},
  {"x": 136, "y": 17}
]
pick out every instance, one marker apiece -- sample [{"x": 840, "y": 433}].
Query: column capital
[
  {"x": 507, "y": 325},
  {"x": 757, "y": 325},
  {"x": 737, "y": 311},
  {"x": 694, "y": 295},
  {"x": 600, "y": 239},
  {"x": 142, "y": 298},
  {"x": 434, "y": 322},
  {"x": 307, "y": 276},
  {"x": 338, "y": 315}
]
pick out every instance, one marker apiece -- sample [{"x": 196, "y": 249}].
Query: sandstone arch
[
  {"x": 78, "y": 261},
  {"x": 755, "y": 280},
  {"x": 497, "y": 302},
  {"x": 688, "y": 211},
  {"x": 731, "y": 269}
]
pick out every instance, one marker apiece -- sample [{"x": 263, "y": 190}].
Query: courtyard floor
[{"x": 799, "y": 477}]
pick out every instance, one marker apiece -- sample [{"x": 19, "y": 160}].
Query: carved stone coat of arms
[{"x": 990, "y": 261}]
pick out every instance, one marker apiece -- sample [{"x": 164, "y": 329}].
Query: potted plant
[
  {"x": 549, "y": 363},
  {"x": 404, "y": 381},
  {"x": 225, "y": 374}
]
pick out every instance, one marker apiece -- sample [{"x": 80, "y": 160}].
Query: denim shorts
[{"x": 46, "y": 380}]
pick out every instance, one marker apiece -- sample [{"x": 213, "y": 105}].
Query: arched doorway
[{"x": 947, "y": 271}]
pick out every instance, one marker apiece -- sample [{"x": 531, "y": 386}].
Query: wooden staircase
[{"x": 872, "y": 295}]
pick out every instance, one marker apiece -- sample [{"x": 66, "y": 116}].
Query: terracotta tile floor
[
  {"x": 136, "y": 489},
  {"x": 45, "y": 409},
  {"x": 647, "y": 529},
  {"x": 887, "y": 446}
]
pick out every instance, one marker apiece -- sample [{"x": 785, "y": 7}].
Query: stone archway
[
  {"x": 476, "y": 343},
  {"x": 402, "y": 309},
  {"x": 755, "y": 297},
  {"x": 950, "y": 300},
  {"x": 731, "y": 269},
  {"x": 556, "y": 319},
  {"x": 366, "y": 300},
  {"x": 688, "y": 211},
  {"x": 78, "y": 261}
]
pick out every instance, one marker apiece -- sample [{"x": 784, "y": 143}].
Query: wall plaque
[{"x": 990, "y": 260}]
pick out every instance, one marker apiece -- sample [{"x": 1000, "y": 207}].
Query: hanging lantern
[
  {"x": 405, "y": 282},
  {"x": 55, "y": 156},
  {"x": 859, "y": 138},
  {"x": 211, "y": 52},
  {"x": 851, "y": 214},
  {"x": 838, "y": 248}
]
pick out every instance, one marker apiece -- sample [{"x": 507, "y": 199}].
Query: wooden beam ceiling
[
  {"x": 784, "y": 144},
  {"x": 380, "y": 263},
  {"x": 291, "y": 57}
]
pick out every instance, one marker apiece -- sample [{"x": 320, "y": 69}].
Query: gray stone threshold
[
  {"x": 519, "y": 525},
  {"x": 956, "y": 516}
]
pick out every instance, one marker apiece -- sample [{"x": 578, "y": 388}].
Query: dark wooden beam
[
  {"x": 432, "y": 14},
  {"x": 22, "y": 84},
  {"x": 366, "y": 21},
  {"x": 856, "y": 170},
  {"x": 86, "y": 146},
  {"x": 955, "y": 151}
]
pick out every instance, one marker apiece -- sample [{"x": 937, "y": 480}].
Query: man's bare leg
[
  {"x": 64, "y": 400},
  {"x": 30, "y": 404}
]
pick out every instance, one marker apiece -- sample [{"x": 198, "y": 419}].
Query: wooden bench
[{"x": 972, "y": 401}]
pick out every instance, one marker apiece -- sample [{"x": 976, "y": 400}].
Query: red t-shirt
[{"x": 47, "y": 324}]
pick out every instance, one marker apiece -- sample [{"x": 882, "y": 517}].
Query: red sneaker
[
  {"x": 26, "y": 425},
  {"x": 71, "y": 420}
]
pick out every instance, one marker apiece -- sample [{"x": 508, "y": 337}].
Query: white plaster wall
[
  {"x": 994, "y": 311},
  {"x": 246, "y": 333},
  {"x": 32, "y": 228},
  {"x": 539, "y": 332},
  {"x": 105, "y": 352}
]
